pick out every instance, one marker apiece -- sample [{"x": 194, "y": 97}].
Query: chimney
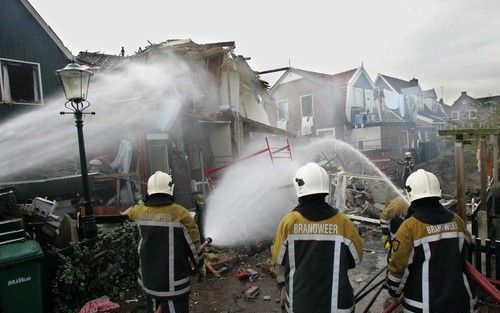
[
  {"x": 414, "y": 81},
  {"x": 464, "y": 93}
]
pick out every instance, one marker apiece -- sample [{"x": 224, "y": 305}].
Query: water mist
[
  {"x": 137, "y": 97},
  {"x": 252, "y": 196}
]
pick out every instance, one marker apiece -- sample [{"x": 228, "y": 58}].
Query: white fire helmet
[
  {"x": 160, "y": 182},
  {"x": 422, "y": 184},
  {"x": 408, "y": 154},
  {"x": 311, "y": 179}
]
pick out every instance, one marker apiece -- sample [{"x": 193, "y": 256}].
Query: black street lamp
[{"x": 75, "y": 82}]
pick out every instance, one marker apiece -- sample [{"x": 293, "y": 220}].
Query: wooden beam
[
  {"x": 495, "y": 140},
  {"x": 459, "y": 168},
  {"x": 469, "y": 131},
  {"x": 274, "y": 70},
  {"x": 483, "y": 171}
]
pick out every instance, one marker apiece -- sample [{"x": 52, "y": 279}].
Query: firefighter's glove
[{"x": 384, "y": 239}]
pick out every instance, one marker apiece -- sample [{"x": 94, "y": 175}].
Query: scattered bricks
[
  {"x": 241, "y": 274},
  {"x": 267, "y": 298},
  {"x": 252, "y": 292}
]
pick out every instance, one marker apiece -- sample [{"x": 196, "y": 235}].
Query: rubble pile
[{"x": 361, "y": 202}]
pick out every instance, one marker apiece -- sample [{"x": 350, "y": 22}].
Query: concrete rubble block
[
  {"x": 252, "y": 292},
  {"x": 267, "y": 298},
  {"x": 379, "y": 206}
]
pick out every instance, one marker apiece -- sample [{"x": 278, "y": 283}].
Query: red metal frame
[{"x": 272, "y": 151}]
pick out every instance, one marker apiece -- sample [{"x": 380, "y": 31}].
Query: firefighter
[
  {"x": 408, "y": 163},
  {"x": 168, "y": 246},
  {"x": 391, "y": 218},
  {"x": 429, "y": 253},
  {"x": 317, "y": 245}
]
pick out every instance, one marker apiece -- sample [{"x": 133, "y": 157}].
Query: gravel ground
[{"x": 227, "y": 294}]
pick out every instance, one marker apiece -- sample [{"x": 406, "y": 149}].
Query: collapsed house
[{"x": 231, "y": 111}]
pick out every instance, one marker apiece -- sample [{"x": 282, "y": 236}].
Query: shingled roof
[
  {"x": 338, "y": 79},
  {"x": 397, "y": 83}
]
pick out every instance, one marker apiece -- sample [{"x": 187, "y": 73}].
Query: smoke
[
  {"x": 252, "y": 196},
  {"x": 137, "y": 97}
]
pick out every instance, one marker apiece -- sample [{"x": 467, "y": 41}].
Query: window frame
[
  {"x": 457, "y": 117},
  {"x": 39, "y": 78},
  {"x": 312, "y": 105},
  {"x": 324, "y": 131},
  {"x": 286, "y": 113},
  {"x": 473, "y": 111}
]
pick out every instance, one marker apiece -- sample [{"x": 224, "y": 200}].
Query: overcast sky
[{"x": 449, "y": 43}]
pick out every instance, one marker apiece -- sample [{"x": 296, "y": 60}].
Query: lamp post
[{"x": 75, "y": 82}]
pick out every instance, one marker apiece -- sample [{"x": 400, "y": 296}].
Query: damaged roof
[
  {"x": 181, "y": 46},
  {"x": 100, "y": 62}
]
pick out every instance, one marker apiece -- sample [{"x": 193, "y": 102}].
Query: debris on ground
[
  {"x": 102, "y": 304},
  {"x": 252, "y": 292}
]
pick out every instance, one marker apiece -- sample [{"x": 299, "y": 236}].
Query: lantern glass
[{"x": 75, "y": 82}]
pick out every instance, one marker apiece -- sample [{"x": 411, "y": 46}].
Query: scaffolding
[{"x": 284, "y": 152}]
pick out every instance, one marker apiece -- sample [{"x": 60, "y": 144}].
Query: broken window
[
  {"x": 283, "y": 110},
  {"x": 306, "y": 104},
  {"x": 20, "y": 82}
]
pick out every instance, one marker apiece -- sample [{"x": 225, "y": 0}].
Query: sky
[{"x": 449, "y": 45}]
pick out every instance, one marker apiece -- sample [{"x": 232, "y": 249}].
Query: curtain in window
[
  {"x": 5, "y": 85},
  {"x": 36, "y": 94}
]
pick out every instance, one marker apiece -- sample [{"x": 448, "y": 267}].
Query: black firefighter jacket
[
  {"x": 427, "y": 262},
  {"x": 317, "y": 245},
  {"x": 169, "y": 239}
]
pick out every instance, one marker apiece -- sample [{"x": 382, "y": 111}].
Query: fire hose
[{"x": 482, "y": 282}]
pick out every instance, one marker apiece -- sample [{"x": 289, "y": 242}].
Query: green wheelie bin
[{"x": 20, "y": 277}]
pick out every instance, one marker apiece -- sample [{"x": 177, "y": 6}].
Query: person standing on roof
[
  {"x": 429, "y": 252},
  {"x": 169, "y": 242},
  {"x": 317, "y": 245},
  {"x": 391, "y": 218}
]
